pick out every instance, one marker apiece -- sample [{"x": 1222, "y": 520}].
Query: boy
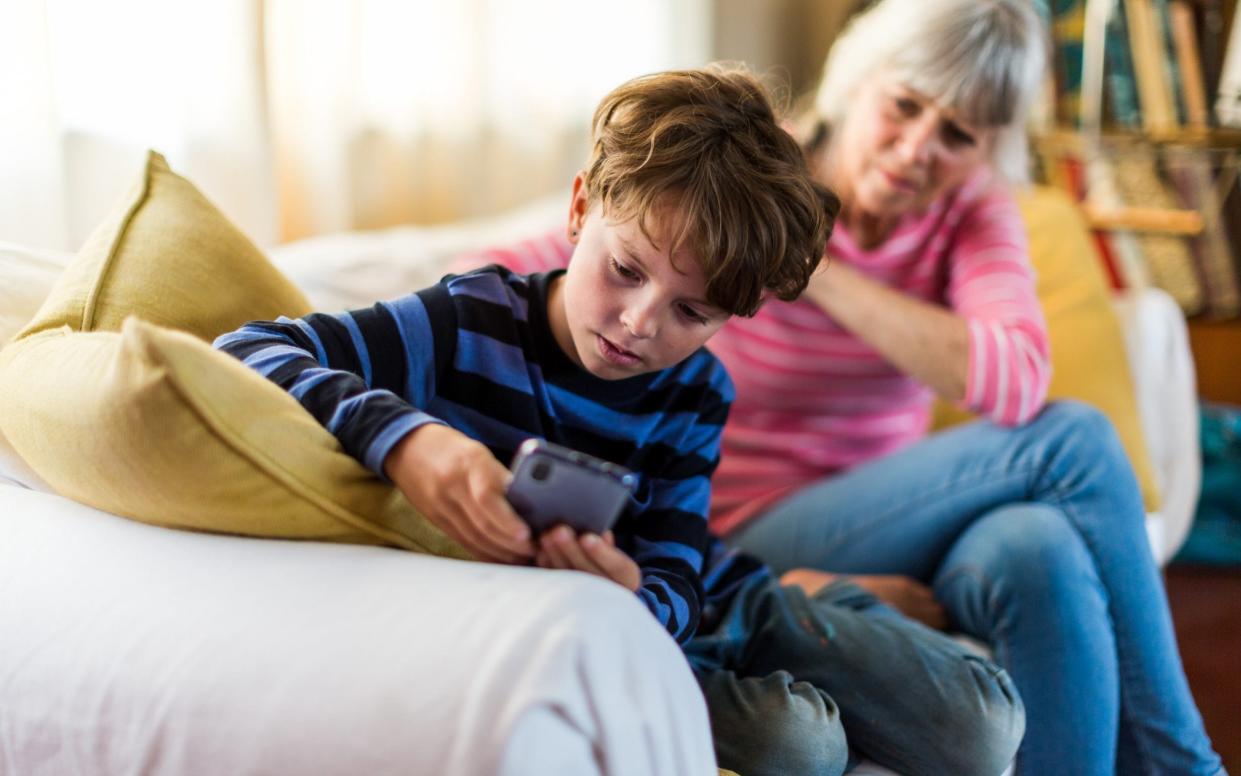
[{"x": 693, "y": 206}]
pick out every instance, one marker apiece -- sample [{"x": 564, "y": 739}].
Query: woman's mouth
[
  {"x": 616, "y": 355},
  {"x": 899, "y": 183}
]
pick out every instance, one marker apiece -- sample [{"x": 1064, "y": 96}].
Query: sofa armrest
[
  {"x": 1157, "y": 344},
  {"x": 127, "y": 646}
]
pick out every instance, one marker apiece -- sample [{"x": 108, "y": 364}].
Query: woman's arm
[
  {"x": 986, "y": 346},
  {"x": 926, "y": 341}
]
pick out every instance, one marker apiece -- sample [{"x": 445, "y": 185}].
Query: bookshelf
[{"x": 1143, "y": 96}]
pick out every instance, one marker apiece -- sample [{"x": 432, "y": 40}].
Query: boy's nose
[{"x": 640, "y": 321}]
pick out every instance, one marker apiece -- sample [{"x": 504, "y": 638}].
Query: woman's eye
[
  {"x": 906, "y": 106},
  {"x": 622, "y": 270},
  {"x": 957, "y": 136}
]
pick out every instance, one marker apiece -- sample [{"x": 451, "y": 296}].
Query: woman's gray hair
[{"x": 984, "y": 58}]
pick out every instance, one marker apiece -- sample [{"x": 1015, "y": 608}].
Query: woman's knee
[
  {"x": 774, "y": 725},
  {"x": 1025, "y": 554},
  {"x": 1081, "y": 423}
]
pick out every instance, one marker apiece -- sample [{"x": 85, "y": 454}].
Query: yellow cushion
[
  {"x": 1087, "y": 346},
  {"x": 167, "y": 253},
  {"x": 175, "y": 433},
  {"x": 152, "y": 423}
]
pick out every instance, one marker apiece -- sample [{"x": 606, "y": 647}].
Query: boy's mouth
[{"x": 615, "y": 354}]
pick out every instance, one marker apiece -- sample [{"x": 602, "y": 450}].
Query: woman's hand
[
  {"x": 459, "y": 486},
  {"x": 559, "y": 548},
  {"x": 926, "y": 341},
  {"x": 905, "y": 594}
]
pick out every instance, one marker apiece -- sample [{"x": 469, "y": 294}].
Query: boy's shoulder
[
  {"x": 489, "y": 276},
  {"x": 492, "y": 284},
  {"x": 702, "y": 370}
]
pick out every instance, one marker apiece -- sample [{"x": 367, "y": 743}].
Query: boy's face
[{"x": 622, "y": 308}]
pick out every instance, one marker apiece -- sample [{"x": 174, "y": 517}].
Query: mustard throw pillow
[
  {"x": 155, "y": 425},
  {"x": 1087, "y": 347},
  {"x": 175, "y": 433},
  {"x": 167, "y": 253}
]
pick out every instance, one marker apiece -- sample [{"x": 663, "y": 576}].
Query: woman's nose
[{"x": 918, "y": 139}]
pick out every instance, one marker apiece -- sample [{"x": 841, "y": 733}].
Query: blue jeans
[
  {"x": 1034, "y": 541},
  {"x": 795, "y": 684}
]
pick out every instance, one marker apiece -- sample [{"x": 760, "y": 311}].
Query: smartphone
[{"x": 553, "y": 484}]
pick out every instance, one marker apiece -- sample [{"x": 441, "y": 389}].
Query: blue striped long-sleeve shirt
[{"x": 476, "y": 352}]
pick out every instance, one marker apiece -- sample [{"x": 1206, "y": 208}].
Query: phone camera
[{"x": 541, "y": 471}]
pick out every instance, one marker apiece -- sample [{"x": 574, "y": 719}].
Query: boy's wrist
[{"x": 405, "y": 448}]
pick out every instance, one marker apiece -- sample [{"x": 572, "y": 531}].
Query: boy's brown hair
[{"x": 708, "y": 142}]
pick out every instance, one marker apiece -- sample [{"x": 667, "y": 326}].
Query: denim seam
[
  {"x": 895, "y": 512},
  {"x": 1054, "y": 495},
  {"x": 1123, "y": 665}
]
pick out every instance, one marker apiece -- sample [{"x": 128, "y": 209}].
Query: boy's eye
[
  {"x": 692, "y": 314},
  {"x": 622, "y": 270}
]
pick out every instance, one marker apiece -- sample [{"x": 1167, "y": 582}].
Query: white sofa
[{"x": 126, "y": 648}]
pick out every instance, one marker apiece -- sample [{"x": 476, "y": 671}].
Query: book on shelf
[
  {"x": 1149, "y": 55},
  {"x": 1167, "y": 256},
  {"x": 1212, "y": 37},
  {"x": 1189, "y": 61},
  {"x": 1161, "y": 14},
  {"x": 1119, "y": 82},
  {"x": 1066, "y": 22},
  {"x": 1193, "y": 177},
  {"x": 1228, "y": 97},
  {"x": 1121, "y": 250}
]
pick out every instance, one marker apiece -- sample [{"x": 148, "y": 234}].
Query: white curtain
[{"x": 300, "y": 117}]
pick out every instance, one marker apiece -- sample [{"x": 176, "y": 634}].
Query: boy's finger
[
  {"x": 555, "y": 557},
  {"x": 504, "y": 520},
  {"x": 567, "y": 542},
  {"x": 478, "y": 542},
  {"x": 483, "y": 525},
  {"x": 494, "y": 510},
  {"x": 609, "y": 560}
]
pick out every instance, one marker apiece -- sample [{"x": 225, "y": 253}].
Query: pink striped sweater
[{"x": 813, "y": 399}]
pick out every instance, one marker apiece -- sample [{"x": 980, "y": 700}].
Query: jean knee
[
  {"x": 775, "y": 725},
  {"x": 1040, "y": 547},
  {"x": 1092, "y": 431},
  {"x": 1020, "y": 562},
  {"x": 984, "y": 739},
  {"x": 810, "y": 737}
]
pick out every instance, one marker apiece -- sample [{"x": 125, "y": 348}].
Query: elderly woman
[{"x": 1025, "y": 530}]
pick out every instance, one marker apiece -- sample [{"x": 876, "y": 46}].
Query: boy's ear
[{"x": 578, "y": 207}]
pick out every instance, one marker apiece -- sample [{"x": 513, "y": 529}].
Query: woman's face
[{"x": 899, "y": 150}]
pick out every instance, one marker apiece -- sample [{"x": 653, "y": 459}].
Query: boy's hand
[
  {"x": 559, "y": 548},
  {"x": 459, "y": 486}
]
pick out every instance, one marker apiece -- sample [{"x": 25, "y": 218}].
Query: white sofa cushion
[{"x": 132, "y": 648}]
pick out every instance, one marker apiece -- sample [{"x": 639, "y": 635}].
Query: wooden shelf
[
  {"x": 1070, "y": 139},
  {"x": 1216, "y": 347}
]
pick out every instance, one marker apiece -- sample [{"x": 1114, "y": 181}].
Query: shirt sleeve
[
  {"x": 362, "y": 374},
  {"x": 670, "y": 537},
  {"x": 991, "y": 285},
  {"x": 543, "y": 253}
]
